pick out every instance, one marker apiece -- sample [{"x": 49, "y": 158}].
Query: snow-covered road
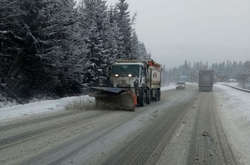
[
  {"x": 192, "y": 127},
  {"x": 180, "y": 129}
]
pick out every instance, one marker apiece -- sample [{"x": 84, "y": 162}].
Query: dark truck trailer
[{"x": 206, "y": 80}]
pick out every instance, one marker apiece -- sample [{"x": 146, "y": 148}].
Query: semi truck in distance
[
  {"x": 206, "y": 80},
  {"x": 133, "y": 83}
]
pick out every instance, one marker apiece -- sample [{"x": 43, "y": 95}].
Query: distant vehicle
[
  {"x": 180, "y": 85},
  {"x": 206, "y": 80},
  {"x": 232, "y": 80}
]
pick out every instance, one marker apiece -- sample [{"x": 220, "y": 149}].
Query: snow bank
[
  {"x": 39, "y": 107},
  {"x": 233, "y": 84},
  {"x": 235, "y": 110},
  {"x": 239, "y": 101},
  {"x": 169, "y": 87},
  {"x": 236, "y": 86}
]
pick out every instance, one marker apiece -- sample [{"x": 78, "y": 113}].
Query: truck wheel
[
  {"x": 158, "y": 95},
  {"x": 153, "y": 95},
  {"x": 99, "y": 103},
  {"x": 141, "y": 98},
  {"x": 148, "y": 100}
]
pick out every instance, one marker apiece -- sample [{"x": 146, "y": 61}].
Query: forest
[
  {"x": 57, "y": 48},
  {"x": 224, "y": 71}
]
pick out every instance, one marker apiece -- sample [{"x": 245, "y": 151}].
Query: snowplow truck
[{"x": 133, "y": 83}]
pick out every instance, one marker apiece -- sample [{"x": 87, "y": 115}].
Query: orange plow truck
[{"x": 134, "y": 83}]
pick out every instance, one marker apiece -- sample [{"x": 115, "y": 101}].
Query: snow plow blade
[{"x": 114, "y": 98}]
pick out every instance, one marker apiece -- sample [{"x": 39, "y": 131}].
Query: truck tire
[
  {"x": 153, "y": 95},
  {"x": 141, "y": 98},
  {"x": 99, "y": 103},
  {"x": 148, "y": 99},
  {"x": 158, "y": 95}
]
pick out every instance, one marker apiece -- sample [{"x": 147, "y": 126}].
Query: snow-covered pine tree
[
  {"x": 138, "y": 48},
  {"x": 125, "y": 27},
  {"x": 143, "y": 54},
  {"x": 38, "y": 40},
  {"x": 18, "y": 22},
  {"x": 65, "y": 47},
  {"x": 134, "y": 46},
  {"x": 100, "y": 44},
  {"x": 112, "y": 35},
  {"x": 9, "y": 41}
]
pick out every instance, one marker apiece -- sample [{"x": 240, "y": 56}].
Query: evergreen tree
[
  {"x": 39, "y": 44},
  {"x": 135, "y": 46},
  {"x": 143, "y": 54},
  {"x": 100, "y": 49},
  {"x": 125, "y": 28}
]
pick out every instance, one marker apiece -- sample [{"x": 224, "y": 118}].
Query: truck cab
[{"x": 128, "y": 75}]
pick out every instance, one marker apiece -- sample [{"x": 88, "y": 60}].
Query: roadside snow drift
[
  {"x": 18, "y": 111},
  {"x": 234, "y": 106},
  {"x": 169, "y": 87}
]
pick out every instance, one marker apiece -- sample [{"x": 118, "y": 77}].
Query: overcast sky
[{"x": 196, "y": 30}]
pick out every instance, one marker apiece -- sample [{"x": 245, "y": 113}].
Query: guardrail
[{"x": 237, "y": 88}]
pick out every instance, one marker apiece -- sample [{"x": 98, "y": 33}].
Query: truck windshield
[{"x": 124, "y": 70}]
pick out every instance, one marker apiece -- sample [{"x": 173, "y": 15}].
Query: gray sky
[{"x": 196, "y": 30}]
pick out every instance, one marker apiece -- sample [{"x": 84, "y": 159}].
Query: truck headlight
[
  {"x": 130, "y": 75},
  {"x": 116, "y": 75}
]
